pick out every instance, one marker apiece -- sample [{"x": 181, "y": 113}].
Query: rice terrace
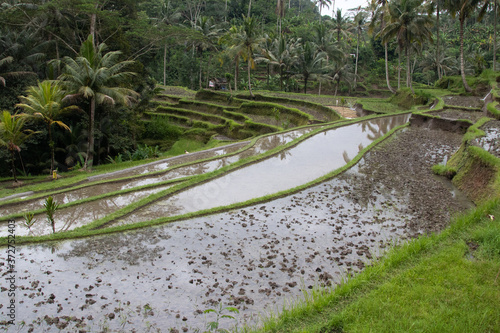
[{"x": 248, "y": 166}]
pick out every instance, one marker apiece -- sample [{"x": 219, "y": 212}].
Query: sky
[{"x": 345, "y": 5}]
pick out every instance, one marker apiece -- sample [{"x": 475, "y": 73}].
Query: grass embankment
[{"x": 447, "y": 282}]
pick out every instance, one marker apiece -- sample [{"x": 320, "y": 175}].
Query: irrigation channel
[{"x": 256, "y": 258}]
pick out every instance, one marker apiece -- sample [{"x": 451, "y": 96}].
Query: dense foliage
[{"x": 256, "y": 44}]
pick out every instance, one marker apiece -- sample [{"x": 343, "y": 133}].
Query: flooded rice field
[
  {"x": 256, "y": 258},
  {"x": 489, "y": 141},
  {"x": 262, "y": 145},
  {"x": 309, "y": 160}
]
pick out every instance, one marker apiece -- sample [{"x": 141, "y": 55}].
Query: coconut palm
[
  {"x": 321, "y": 4},
  {"x": 487, "y": 3},
  {"x": 282, "y": 54},
  {"x": 95, "y": 77},
  {"x": 340, "y": 25},
  {"x": 324, "y": 41},
  {"x": 206, "y": 39},
  {"x": 380, "y": 14},
  {"x": 45, "y": 102},
  {"x": 13, "y": 135},
  {"x": 463, "y": 9},
  {"x": 409, "y": 26},
  {"x": 244, "y": 42},
  {"x": 310, "y": 62},
  {"x": 359, "y": 26}
]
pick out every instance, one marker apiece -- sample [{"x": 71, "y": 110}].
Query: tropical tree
[
  {"x": 45, "y": 102},
  {"x": 205, "y": 39},
  {"x": 282, "y": 53},
  {"x": 13, "y": 135},
  {"x": 340, "y": 25},
  {"x": 409, "y": 26},
  {"x": 325, "y": 42},
  {"x": 95, "y": 77},
  {"x": 244, "y": 41},
  {"x": 463, "y": 9},
  {"x": 487, "y": 3},
  {"x": 380, "y": 14},
  {"x": 321, "y": 4},
  {"x": 309, "y": 62},
  {"x": 359, "y": 26}
]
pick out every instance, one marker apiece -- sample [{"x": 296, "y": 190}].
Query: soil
[
  {"x": 455, "y": 114},
  {"x": 256, "y": 258},
  {"x": 344, "y": 112},
  {"x": 465, "y": 101}
]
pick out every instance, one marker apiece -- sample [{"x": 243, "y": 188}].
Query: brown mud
[
  {"x": 455, "y": 114},
  {"x": 256, "y": 259}
]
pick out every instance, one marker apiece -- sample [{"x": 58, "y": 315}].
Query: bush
[{"x": 159, "y": 128}]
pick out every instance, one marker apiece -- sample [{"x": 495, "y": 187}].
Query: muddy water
[
  {"x": 491, "y": 139},
  {"x": 296, "y": 166},
  {"x": 256, "y": 258},
  {"x": 76, "y": 216},
  {"x": 262, "y": 145}
]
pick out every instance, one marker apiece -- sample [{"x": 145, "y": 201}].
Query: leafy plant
[
  {"x": 213, "y": 326},
  {"x": 51, "y": 206},
  {"x": 29, "y": 220}
]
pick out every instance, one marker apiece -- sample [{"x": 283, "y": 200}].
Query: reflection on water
[
  {"x": 76, "y": 216},
  {"x": 309, "y": 160},
  {"x": 262, "y": 145}
]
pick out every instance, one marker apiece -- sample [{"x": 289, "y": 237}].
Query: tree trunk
[
  {"x": 399, "y": 68},
  {"x": 249, "y": 81},
  {"x": 387, "y": 70},
  {"x": 495, "y": 39},
  {"x": 462, "y": 62},
  {"x": 305, "y": 83},
  {"x": 201, "y": 69},
  {"x": 90, "y": 148},
  {"x": 236, "y": 72},
  {"x": 12, "y": 155},
  {"x": 249, "y": 8},
  {"x": 52, "y": 153},
  {"x": 281, "y": 78},
  {"x": 407, "y": 66},
  {"x": 356, "y": 66},
  {"x": 437, "y": 43},
  {"x": 165, "y": 65}
]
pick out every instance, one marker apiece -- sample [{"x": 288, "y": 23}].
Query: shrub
[{"x": 159, "y": 128}]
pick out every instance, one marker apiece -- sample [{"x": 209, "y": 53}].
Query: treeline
[{"x": 288, "y": 45}]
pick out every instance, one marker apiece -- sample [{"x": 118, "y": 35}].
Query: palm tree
[
  {"x": 408, "y": 25},
  {"x": 340, "y": 25},
  {"x": 324, "y": 42},
  {"x": 96, "y": 77},
  {"x": 380, "y": 14},
  {"x": 322, "y": 3},
  {"x": 169, "y": 17},
  {"x": 282, "y": 53},
  {"x": 309, "y": 62},
  {"x": 495, "y": 15},
  {"x": 280, "y": 13},
  {"x": 244, "y": 41},
  {"x": 359, "y": 24},
  {"x": 45, "y": 101},
  {"x": 13, "y": 135},
  {"x": 206, "y": 39},
  {"x": 462, "y": 8}
]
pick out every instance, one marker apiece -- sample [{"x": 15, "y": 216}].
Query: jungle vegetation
[{"x": 76, "y": 76}]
